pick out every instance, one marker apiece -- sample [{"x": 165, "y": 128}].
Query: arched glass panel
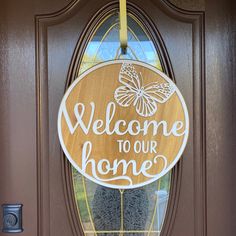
[
  {"x": 105, "y": 211},
  {"x": 105, "y": 44}
]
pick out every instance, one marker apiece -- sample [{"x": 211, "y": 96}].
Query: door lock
[{"x": 12, "y": 218}]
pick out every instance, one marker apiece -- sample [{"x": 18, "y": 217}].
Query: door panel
[
  {"x": 38, "y": 43},
  {"x": 57, "y": 37},
  {"x": 220, "y": 117}
]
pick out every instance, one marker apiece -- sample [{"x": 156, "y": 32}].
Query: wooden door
[{"x": 42, "y": 43}]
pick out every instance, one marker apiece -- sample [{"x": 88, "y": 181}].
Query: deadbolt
[{"x": 12, "y": 218}]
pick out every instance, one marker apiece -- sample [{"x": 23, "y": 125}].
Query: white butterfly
[{"x": 144, "y": 98}]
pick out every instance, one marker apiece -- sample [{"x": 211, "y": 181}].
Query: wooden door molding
[
  {"x": 42, "y": 23},
  {"x": 197, "y": 20}
]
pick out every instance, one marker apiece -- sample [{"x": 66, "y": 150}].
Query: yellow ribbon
[{"x": 123, "y": 26}]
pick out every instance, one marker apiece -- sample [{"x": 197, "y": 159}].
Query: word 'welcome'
[{"x": 121, "y": 127}]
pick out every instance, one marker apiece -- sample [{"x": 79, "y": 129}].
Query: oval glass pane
[{"x": 106, "y": 211}]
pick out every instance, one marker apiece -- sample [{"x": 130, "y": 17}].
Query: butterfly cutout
[{"x": 143, "y": 98}]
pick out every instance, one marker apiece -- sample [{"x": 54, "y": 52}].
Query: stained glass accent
[{"x": 105, "y": 211}]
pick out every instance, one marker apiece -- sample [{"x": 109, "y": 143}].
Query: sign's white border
[{"x": 120, "y": 62}]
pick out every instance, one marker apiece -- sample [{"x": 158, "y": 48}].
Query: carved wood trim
[
  {"x": 41, "y": 74},
  {"x": 42, "y": 130},
  {"x": 197, "y": 19}
]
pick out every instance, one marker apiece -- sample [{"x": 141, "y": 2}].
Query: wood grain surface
[{"x": 99, "y": 87}]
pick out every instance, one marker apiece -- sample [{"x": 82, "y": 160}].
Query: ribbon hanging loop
[{"x": 123, "y": 26}]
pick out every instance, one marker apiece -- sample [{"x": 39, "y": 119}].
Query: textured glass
[{"x": 106, "y": 211}]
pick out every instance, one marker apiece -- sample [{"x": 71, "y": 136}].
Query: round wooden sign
[{"x": 123, "y": 124}]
